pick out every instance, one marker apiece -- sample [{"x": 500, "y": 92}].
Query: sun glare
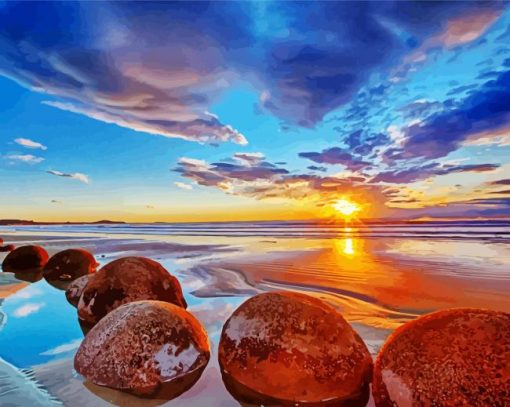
[{"x": 346, "y": 207}]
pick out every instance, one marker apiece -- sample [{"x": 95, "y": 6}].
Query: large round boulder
[
  {"x": 291, "y": 349},
  {"x": 25, "y": 259},
  {"x": 68, "y": 265},
  {"x": 126, "y": 280},
  {"x": 149, "y": 348},
  {"x": 75, "y": 289},
  {"x": 447, "y": 358}
]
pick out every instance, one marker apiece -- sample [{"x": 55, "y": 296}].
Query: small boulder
[
  {"x": 126, "y": 280},
  {"x": 70, "y": 264},
  {"x": 25, "y": 259},
  {"x": 67, "y": 265},
  {"x": 75, "y": 289},
  {"x": 7, "y": 248},
  {"x": 149, "y": 348},
  {"x": 291, "y": 349},
  {"x": 448, "y": 358}
]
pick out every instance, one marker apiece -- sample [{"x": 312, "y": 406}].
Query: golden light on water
[
  {"x": 346, "y": 208},
  {"x": 348, "y": 247}
]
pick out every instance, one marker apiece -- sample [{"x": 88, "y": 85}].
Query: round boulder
[
  {"x": 448, "y": 358},
  {"x": 126, "y": 280},
  {"x": 68, "y": 265},
  {"x": 149, "y": 348},
  {"x": 25, "y": 259},
  {"x": 7, "y": 248},
  {"x": 293, "y": 349},
  {"x": 75, "y": 289}
]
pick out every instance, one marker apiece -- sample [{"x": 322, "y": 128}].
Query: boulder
[
  {"x": 447, "y": 358},
  {"x": 75, "y": 289},
  {"x": 126, "y": 280},
  {"x": 7, "y": 248},
  {"x": 292, "y": 349},
  {"x": 149, "y": 348},
  {"x": 25, "y": 259},
  {"x": 70, "y": 264}
]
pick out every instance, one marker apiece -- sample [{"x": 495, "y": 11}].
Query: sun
[{"x": 346, "y": 208}]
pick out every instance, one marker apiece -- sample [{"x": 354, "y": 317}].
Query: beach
[{"x": 379, "y": 276}]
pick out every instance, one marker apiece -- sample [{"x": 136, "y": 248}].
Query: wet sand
[{"x": 377, "y": 283}]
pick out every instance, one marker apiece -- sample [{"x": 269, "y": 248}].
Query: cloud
[
  {"x": 24, "y": 158},
  {"x": 337, "y": 155},
  {"x": 76, "y": 175},
  {"x": 182, "y": 185},
  {"x": 266, "y": 180},
  {"x": 27, "y": 309},
  {"x": 130, "y": 67},
  {"x": 501, "y": 182},
  {"x": 249, "y": 158},
  {"x": 223, "y": 174},
  {"x": 481, "y": 113},
  {"x": 412, "y": 174},
  {"x": 25, "y": 142},
  {"x": 64, "y": 348},
  {"x": 317, "y": 168}
]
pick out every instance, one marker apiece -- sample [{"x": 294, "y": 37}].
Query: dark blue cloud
[
  {"x": 337, "y": 155},
  {"x": 483, "y": 111},
  {"x": 317, "y": 168},
  {"x": 412, "y": 174},
  {"x": 158, "y": 66},
  {"x": 501, "y": 182}
]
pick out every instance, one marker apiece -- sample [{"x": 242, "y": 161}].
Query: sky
[{"x": 253, "y": 110}]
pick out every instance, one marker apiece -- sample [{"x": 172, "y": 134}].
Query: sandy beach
[{"x": 378, "y": 283}]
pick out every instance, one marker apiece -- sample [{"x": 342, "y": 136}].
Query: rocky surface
[
  {"x": 291, "y": 349},
  {"x": 447, "y": 358},
  {"x": 149, "y": 348},
  {"x": 126, "y": 280}
]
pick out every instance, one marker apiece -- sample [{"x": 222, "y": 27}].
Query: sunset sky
[{"x": 253, "y": 110}]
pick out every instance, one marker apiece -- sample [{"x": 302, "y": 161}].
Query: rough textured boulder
[
  {"x": 126, "y": 280},
  {"x": 25, "y": 259},
  {"x": 69, "y": 264},
  {"x": 288, "y": 348},
  {"x": 447, "y": 358},
  {"x": 7, "y": 248},
  {"x": 75, "y": 289},
  {"x": 149, "y": 348}
]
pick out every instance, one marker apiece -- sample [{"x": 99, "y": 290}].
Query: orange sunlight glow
[{"x": 346, "y": 208}]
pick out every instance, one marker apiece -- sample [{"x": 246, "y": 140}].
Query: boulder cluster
[{"x": 278, "y": 348}]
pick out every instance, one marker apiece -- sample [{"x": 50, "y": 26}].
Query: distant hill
[{"x": 18, "y": 222}]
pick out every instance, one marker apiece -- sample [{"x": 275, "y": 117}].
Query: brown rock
[
  {"x": 126, "y": 280},
  {"x": 70, "y": 264},
  {"x": 149, "y": 348},
  {"x": 447, "y": 358},
  {"x": 291, "y": 349},
  {"x": 7, "y": 248},
  {"x": 75, "y": 289},
  {"x": 25, "y": 259}
]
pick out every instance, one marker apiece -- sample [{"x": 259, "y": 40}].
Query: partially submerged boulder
[
  {"x": 291, "y": 349},
  {"x": 25, "y": 259},
  {"x": 447, "y": 358},
  {"x": 126, "y": 280},
  {"x": 149, "y": 348},
  {"x": 69, "y": 264},
  {"x": 7, "y": 248}
]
